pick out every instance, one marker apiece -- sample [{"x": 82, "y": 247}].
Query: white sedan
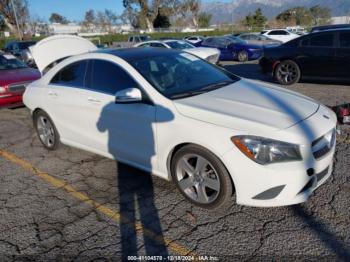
[
  {"x": 180, "y": 118},
  {"x": 282, "y": 35},
  {"x": 210, "y": 54}
]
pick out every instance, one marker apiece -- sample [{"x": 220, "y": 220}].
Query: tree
[
  {"x": 204, "y": 19},
  {"x": 296, "y": 16},
  {"x": 255, "y": 20},
  {"x": 320, "y": 15},
  {"x": 8, "y": 17},
  {"x": 161, "y": 21},
  {"x": 57, "y": 18},
  {"x": 147, "y": 11}
]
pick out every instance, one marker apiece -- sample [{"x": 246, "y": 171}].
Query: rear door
[
  {"x": 65, "y": 101},
  {"x": 343, "y": 55},
  {"x": 316, "y": 55}
]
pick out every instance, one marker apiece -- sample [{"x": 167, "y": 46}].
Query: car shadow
[{"x": 127, "y": 139}]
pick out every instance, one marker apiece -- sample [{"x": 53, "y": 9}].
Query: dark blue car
[{"x": 233, "y": 48}]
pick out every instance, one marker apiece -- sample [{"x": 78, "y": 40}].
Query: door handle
[
  {"x": 53, "y": 94},
  {"x": 94, "y": 100}
]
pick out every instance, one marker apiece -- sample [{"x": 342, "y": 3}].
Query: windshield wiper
[
  {"x": 202, "y": 90},
  {"x": 216, "y": 85},
  {"x": 187, "y": 94}
]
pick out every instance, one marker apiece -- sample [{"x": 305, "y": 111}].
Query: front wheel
[
  {"x": 287, "y": 72},
  {"x": 201, "y": 177},
  {"x": 242, "y": 56},
  {"x": 46, "y": 130}
]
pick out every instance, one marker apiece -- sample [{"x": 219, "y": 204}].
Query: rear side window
[
  {"x": 72, "y": 75},
  {"x": 157, "y": 45},
  {"x": 109, "y": 78},
  {"x": 324, "y": 40},
  {"x": 344, "y": 39}
]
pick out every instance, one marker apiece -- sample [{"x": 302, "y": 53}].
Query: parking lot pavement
[{"x": 72, "y": 204}]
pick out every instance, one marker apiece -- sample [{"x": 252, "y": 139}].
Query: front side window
[
  {"x": 109, "y": 78},
  {"x": 344, "y": 39},
  {"x": 72, "y": 75},
  {"x": 324, "y": 40},
  {"x": 177, "y": 75}
]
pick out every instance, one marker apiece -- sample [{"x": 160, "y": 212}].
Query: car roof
[
  {"x": 331, "y": 30},
  {"x": 134, "y": 53}
]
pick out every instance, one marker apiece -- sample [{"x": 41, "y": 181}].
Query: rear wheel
[
  {"x": 287, "y": 72},
  {"x": 242, "y": 56},
  {"x": 201, "y": 177},
  {"x": 46, "y": 130}
]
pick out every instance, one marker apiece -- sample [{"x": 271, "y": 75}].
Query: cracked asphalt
[{"x": 73, "y": 205}]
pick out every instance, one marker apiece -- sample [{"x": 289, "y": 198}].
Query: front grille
[
  {"x": 324, "y": 144},
  {"x": 17, "y": 88}
]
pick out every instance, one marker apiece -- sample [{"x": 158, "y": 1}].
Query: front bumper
[
  {"x": 286, "y": 183},
  {"x": 276, "y": 185}
]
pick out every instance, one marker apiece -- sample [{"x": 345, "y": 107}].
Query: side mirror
[{"x": 129, "y": 95}]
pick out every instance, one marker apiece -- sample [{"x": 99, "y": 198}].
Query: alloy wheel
[
  {"x": 197, "y": 178},
  {"x": 46, "y": 131},
  {"x": 287, "y": 73}
]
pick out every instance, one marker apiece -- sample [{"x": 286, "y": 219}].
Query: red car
[{"x": 14, "y": 76}]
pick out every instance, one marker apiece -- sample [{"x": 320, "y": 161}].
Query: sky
[{"x": 75, "y": 10}]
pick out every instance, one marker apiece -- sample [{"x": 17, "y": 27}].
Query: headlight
[
  {"x": 266, "y": 151},
  {"x": 2, "y": 90}
]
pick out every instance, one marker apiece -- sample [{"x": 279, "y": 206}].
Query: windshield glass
[
  {"x": 179, "y": 45},
  {"x": 236, "y": 40},
  {"x": 25, "y": 45},
  {"x": 10, "y": 62},
  {"x": 179, "y": 75}
]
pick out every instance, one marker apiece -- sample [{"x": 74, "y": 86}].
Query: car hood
[
  {"x": 20, "y": 75},
  {"x": 202, "y": 52},
  {"x": 247, "y": 106}
]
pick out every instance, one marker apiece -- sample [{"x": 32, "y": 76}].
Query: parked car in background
[
  {"x": 329, "y": 27},
  {"x": 210, "y": 54},
  {"x": 194, "y": 40},
  {"x": 233, "y": 48},
  {"x": 259, "y": 39},
  {"x": 167, "y": 112},
  {"x": 282, "y": 35},
  {"x": 322, "y": 55},
  {"x": 20, "y": 49},
  {"x": 132, "y": 40},
  {"x": 14, "y": 77}
]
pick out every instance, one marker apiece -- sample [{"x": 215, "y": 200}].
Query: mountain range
[{"x": 238, "y": 9}]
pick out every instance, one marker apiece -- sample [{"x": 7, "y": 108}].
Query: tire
[
  {"x": 201, "y": 177},
  {"x": 46, "y": 130},
  {"x": 287, "y": 72},
  {"x": 242, "y": 56}
]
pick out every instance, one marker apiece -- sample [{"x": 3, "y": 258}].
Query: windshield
[
  {"x": 25, "y": 45},
  {"x": 236, "y": 40},
  {"x": 10, "y": 62},
  {"x": 179, "y": 75},
  {"x": 179, "y": 45}
]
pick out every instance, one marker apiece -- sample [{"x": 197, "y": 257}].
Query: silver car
[{"x": 258, "y": 39}]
